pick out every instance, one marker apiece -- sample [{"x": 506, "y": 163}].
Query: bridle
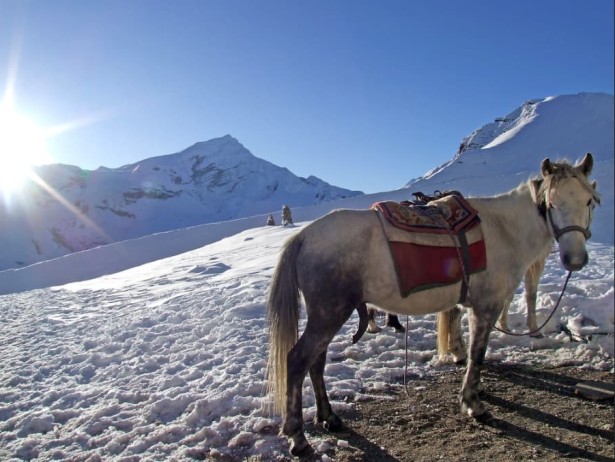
[
  {"x": 558, "y": 232},
  {"x": 545, "y": 210}
]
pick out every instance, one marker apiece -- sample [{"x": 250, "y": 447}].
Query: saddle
[{"x": 434, "y": 241}]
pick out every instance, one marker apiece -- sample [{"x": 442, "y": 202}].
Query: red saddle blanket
[{"x": 423, "y": 257}]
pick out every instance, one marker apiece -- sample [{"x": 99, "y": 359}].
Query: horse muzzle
[{"x": 572, "y": 263}]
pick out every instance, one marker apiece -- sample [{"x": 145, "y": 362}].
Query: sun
[{"x": 22, "y": 146}]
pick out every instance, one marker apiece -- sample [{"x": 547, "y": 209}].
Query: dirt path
[{"x": 534, "y": 415}]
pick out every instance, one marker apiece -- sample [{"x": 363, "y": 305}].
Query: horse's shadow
[
  {"x": 362, "y": 448},
  {"x": 526, "y": 376},
  {"x": 560, "y": 385},
  {"x": 550, "y": 382},
  {"x": 517, "y": 432}
]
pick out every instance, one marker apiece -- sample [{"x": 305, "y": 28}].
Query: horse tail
[
  {"x": 283, "y": 320},
  {"x": 444, "y": 332}
]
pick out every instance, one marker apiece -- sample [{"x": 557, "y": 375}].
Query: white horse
[
  {"x": 342, "y": 261},
  {"x": 450, "y": 338}
]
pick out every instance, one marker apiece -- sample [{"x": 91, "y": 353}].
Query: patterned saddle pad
[
  {"x": 450, "y": 213},
  {"x": 423, "y": 241}
]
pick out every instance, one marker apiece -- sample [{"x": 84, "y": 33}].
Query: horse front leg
[
  {"x": 481, "y": 322},
  {"x": 532, "y": 276},
  {"x": 325, "y": 415}
]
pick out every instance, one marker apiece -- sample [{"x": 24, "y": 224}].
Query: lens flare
[{"x": 22, "y": 146}]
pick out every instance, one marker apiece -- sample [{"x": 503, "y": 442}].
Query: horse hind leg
[
  {"x": 455, "y": 343},
  {"x": 372, "y": 326},
  {"x": 363, "y": 322},
  {"x": 324, "y": 415},
  {"x": 450, "y": 338},
  {"x": 393, "y": 321},
  {"x": 299, "y": 360},
  {"x": 309, "y": 354}
]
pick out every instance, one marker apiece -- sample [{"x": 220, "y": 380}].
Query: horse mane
[{"x": 560, "y": 170}]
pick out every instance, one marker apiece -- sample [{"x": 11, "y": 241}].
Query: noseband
[{"x": 558, "y": 232}]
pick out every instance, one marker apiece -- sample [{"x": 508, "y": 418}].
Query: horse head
[{"x": 569, "y": 200}]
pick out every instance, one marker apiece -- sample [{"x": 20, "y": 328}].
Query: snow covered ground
[
  {"x": 155, "y": 348},
  {"x": 166, "y": 361}
]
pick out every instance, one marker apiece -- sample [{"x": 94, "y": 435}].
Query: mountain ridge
[
  {"x": 512, "y": 147},
  {"x": 562, "y": 126},
  {"x": 494, "y": 158},
  {"x": 70, "y": 209}
]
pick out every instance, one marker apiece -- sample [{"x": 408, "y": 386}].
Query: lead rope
[
  {"x": 521, "y": 334},
  {"x": 559, "y": 299},
  {"x": 406, "y": 365}
]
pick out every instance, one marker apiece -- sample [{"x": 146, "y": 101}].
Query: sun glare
[{"x": 22, "y": 145}]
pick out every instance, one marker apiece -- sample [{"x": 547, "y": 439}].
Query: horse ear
[
  {"x": 586, "y": 165},
  {"x": 546, "y": 167}
]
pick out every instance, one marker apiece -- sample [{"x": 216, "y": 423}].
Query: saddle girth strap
[{"x": 465, "y": 264}]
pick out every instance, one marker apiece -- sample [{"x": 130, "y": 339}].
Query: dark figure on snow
[{"x": 287, "y": 218}]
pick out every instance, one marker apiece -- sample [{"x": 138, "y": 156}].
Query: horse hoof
[
  {"x": 475, "y": 411},
  {"x": 484, "y": 417},
  {"x": 460, "y": 360},
  {"x": 374, "y": 330},
  {"x": 299, "y": 447},
  {"x": 537, "y": 335},
  {"x": 400, "y": 330},
  {"x": 333, "y": 423}
]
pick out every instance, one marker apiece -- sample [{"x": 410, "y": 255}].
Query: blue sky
[{"x": 363, "y": 94}]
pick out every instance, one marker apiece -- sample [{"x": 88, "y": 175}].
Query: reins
[
  {"x": 538, "y": 329},
  {"x": 504, "y": 331},
  {"x": 545, "y": 211}
]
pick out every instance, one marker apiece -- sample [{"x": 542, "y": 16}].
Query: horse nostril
[
  {"x": 566, "y": 260},
  {"x": 571, "y": 265}
]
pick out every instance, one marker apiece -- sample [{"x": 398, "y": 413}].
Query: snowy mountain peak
[
  {"x": 225, "y": 145},
  {"x": 215, "y": 150},
  {"x": 500, "y": 129},
  {"x": 210, "y": 181},
  {"x": 564, "y": 126},
  {"x": 510, "y": 149}
]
